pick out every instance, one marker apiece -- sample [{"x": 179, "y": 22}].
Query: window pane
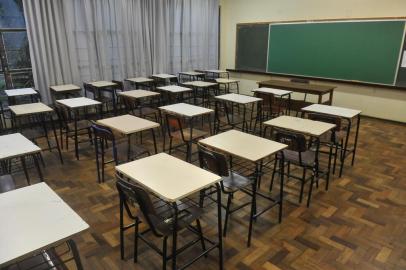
[
  {"x": 17, "y": 50},
  {"x": 11, "y": 14},
  {"x": 22, "y": 79},
  {"x": 2, "y": 82}
]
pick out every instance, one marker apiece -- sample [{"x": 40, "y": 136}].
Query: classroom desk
[
  {"x": 106, "y": 86},
  {"x": 173, "y": 179},
  {"x": 311, "y": 128},
  {"x": 43, "y": 112},
  {"x": 13, "y": 94},
  {"x": 141, "y": 81},
  {"x": 74, "y": 105},
  {"x": 17, "y": 146},
  {"x": 189, "y": 112},
  {"x": 65, "y": 90},
  {"x": 174, "y": 91},
  {"x": 279, "y": 93},
  {"x": 253, "y": 149},
  {"x": 216, "y": 73},
  {"x": 129, "y": 124},
  {"x": 344, "y": 113},
  {"x": 191, "y": 75},
  {"x": 138, "y": 95},
  {"x": 204, "y": 86},
  {"x": 34, "y": 218},
  {"x": 237, "y": 99},
  {"x": 307, "y": 88},
  {"x": 227, "y": 82}
]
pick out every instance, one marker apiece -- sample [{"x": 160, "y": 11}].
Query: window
[{"x": 15, "y": 65}]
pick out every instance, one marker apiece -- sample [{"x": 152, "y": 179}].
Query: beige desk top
[
  {"x": 127, "y": 124},
  {"x": 34, "y": 218},
  {"x": 300, "y": 125},
  {"x": 185, "y": 109},
  {"x": 200, "y": 84},
  {"x": 138, "y": 93},
  {"x": 163, "y": 76},
  {"x": 139, "y": 80},
  {"x": 226, "y": 81},
  {"x": 168, "y": 177},
  {"x": 237, "y": 98},
  {"x": 216, "y": 71},
  {"x": 20, "y": 92},
  {"x": 332, "y": 110},
  {"x": 15, "y": 145},
  {"x": 274, "y": 91},
  {"x": 243, "y": 145},
  {"x": 192, "y": 73},
  {"x": 78, "y": 102},
  {"x": 30, "y": 108},
  {"x": 101, "y": 84},
  {"x": 64, "y": 88},
  {"x": 174, "y": 88}
]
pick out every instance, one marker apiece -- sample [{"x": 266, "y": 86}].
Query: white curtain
[{"x": 72, "y": 41}]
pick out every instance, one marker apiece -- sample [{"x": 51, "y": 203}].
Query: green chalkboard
[
  {"x": 366, "y": 51},
  {"x": 252, "y": 46}
]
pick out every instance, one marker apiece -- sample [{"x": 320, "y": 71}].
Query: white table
[
  {"x": 189, "y": 112},
  {"x": 346, "y": 114},
  {"x": 34, "y": 218},
  {"x": 174, "y": 91},
  {"x": 190, "y": 75},
  {"x": 273, "y": 91},
  {"x": 74, "y": 105},
  {"x": 163, "y": 76},
  {"x": 311, "y": 128},
  {"x": 212, "y": 73},
  {"x": 237, "y": 99},
  {"x": 227, "y": 82},
  {"x": 65, "y": 90},
  {"x": 138, "y": 94},
  {"x": 20, "y": 92},
  {"x": 138, "y": 81},
  {"x": 105, "y": 86},
  {"x": 43, "y": 112},
  {"x": 253, "y": 149},
  {"x": 172, "y": 180},
  {"x": 17, "y": 146},
  {"x": 204, "y": 86},
  {"x": 300, "y": 125},
  {"x": 129, "y": 124}
]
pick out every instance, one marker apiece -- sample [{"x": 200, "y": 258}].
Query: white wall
[{"x": 373, "y": 101}]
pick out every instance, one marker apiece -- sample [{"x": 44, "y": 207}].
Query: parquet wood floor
[{"x": 360, "y": 223}]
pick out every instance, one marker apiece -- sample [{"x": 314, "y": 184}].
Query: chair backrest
[
  {"x": 174, "y": 80},
  {"x": 213, "y": 161},
  {"x": 174, "y": 124},
  {"x": 326, "y": 119},
  {"x": 102, "y": 132},
  {"x": 267, "y": 100},
  {"x": 131, "y": 194},
  {"x": 88, "y": 88},
  {"x": 295, "y": 141}
]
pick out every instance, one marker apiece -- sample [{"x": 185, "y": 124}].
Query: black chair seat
[
  {"x": 339, "y": 136},
  {"x": 308, "y": 157},
  {"x": 164, "y": 224},
  {"x": 135, "y": 151},
  {"x": 235, "y": 182},
  {"x": 196, "y": 134},
  {"x": 81, "y": 125},
  {"x": 6, "y": 183}
]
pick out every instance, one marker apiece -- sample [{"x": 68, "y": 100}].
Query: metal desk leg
[
  {"x": 253, "y": 204},
  {"x": 76, "y": 136},
  {"x": 356, "y": 139},
  {"x": 219, "y": 227},
  {"x": 22, "y": 159},
  {"x": 153, "y": 137},
  {"x": 56, "y": 139},
  {"x": 38, "y": 167},
  {"x": 281, "y": 175},
  {"x": 174, "y": 235},
  {"x": 344, "y": 151},
  {"x": 189, "y": 153}
]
